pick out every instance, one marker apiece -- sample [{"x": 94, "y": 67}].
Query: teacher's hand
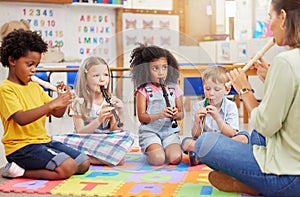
[
  {"x": 238, "y": 79},
  {"x": 262, "y": 68}
]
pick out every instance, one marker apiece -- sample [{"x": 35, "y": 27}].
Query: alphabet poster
[
  {"x": 93, "y": 32},
  {"x": 77, "y": 30}
]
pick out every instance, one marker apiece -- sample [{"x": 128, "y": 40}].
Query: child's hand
[
  {"x": 65, "y": 96},
  {"x": 62, "y": 100},
  {"x": 174, "y": 110},
  {"x": 105, "y": 113},
  {"x": 200, "y": 114},
  {"x": 117, "y": 103},
  {"x": 62, "y": 88},
  {"x": 213, "y": 111},
  {"x": 168, "y": 112}
]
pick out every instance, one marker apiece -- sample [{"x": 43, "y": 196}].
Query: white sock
[{"x": 12, "y": 170}]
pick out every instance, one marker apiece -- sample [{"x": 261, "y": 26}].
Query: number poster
[{"x": 77, "y": 30}]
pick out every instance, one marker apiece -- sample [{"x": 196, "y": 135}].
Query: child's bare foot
[
  {"x": 188, "y": 144},
  {"x": 121, "y": 162}
]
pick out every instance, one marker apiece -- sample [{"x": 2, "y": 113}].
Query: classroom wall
[
  {"x": 78, "y": 30},
  {"x": 2, "y": 153},
  {"x": 200, "y": 19}
]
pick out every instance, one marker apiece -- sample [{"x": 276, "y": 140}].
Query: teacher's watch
[{"x": 245, "y": 90}]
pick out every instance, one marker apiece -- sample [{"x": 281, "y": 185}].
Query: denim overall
[{"x": 161, "y": 127}]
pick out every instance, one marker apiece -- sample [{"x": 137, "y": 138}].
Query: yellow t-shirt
[{"x": 15, "y": 97}]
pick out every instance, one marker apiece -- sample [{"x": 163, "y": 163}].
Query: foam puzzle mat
[{"x": 135, "y": 178}]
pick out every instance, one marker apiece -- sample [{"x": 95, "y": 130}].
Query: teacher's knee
[{"x": 205, "y": 143}]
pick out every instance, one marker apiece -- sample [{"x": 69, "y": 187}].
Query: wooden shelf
[{"x": 98, "y": 5}]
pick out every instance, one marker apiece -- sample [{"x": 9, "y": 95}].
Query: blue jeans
[{"x": 237, "y": 160}]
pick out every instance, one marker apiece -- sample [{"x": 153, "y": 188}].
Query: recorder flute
[
  {"x": 43, "y": 83},
  {"x": 258, "y": 55},
  {"x": 51, "y": 87},
  {"x": 107, "y": 98},
  {"x": 204, "y": 119},
  {"x": 165, "y": 94}
]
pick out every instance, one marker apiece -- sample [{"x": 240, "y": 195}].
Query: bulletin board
[
  {"x": 92, "y": 32},
  {"x": 262, "y": 24},
  {"x": 149, "y": 29},
  {"x": 77, "y": 30}
]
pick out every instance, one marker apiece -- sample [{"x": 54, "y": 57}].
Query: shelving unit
[
  {"x": 70, "y": 2},
  {"x": 44, "y": 1},
  {"x": 97, "y": 5}
]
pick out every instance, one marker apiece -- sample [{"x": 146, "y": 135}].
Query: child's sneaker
[
  {"x": 193, "y": 159},
  {"x": 12, "y": 170}
]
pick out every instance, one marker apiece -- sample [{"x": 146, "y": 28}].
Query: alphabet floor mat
[{"x": 135, "y": 178}]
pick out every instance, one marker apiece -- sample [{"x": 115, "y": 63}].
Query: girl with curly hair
[{"x": 158, "y": 139}]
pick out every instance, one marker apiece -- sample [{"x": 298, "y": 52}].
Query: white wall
[
  {"x": 2, "y": 154},
  {"x": 149, "y": 4}
]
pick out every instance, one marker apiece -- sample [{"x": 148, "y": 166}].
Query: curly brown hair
[
  {"x": 142, "y": 56},
  {"x": 17, "y": 44}
]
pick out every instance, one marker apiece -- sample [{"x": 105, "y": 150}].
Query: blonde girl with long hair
[{"x": 96, "y": 131}]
